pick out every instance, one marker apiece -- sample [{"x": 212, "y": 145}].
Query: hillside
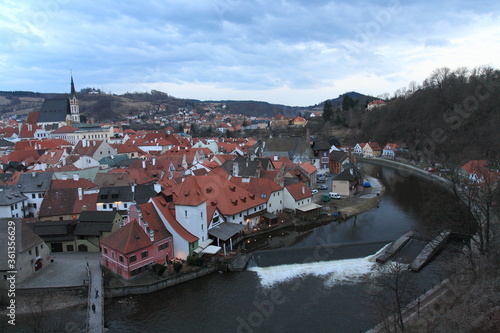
[
  {"x": 106, "y": 107},
  {"x": 451, "y": 117}
]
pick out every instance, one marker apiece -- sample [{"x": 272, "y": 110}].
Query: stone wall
[{"x": 162, "y": 284}]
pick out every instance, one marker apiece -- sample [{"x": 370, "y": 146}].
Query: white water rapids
[{"x": 345, "y": 271}]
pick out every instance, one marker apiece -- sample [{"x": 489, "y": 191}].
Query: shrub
[
  {"x": 177, "y": 267},
  {"x": 195, "y": 261},
  {"x": 159, "y": 269}
]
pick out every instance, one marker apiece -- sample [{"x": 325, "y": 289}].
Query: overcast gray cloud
[{"x": 291, "y": 52}]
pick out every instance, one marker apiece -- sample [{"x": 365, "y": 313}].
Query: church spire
[
  {"x": 74, "y": 115},
  {"x": 73, "y": 91}
]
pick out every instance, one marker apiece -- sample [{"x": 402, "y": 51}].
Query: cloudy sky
[{"x": 292, "y": 52}]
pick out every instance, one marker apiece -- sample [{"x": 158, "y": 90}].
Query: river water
[{"x": 318, "y": 282}]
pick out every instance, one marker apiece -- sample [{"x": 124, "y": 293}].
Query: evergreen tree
[{"x": 327, "y": 111}]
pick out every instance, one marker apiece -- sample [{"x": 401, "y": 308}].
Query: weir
[
  {"x": 430, "y": 250},
  {"x": 321, "y": 252},
  {"x": 394, "y": 247}
]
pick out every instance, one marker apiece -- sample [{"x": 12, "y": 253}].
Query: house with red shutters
[{"x": 142, "y": 242}]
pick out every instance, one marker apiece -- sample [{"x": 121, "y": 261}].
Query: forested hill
[{"x": 452, "y": 116}]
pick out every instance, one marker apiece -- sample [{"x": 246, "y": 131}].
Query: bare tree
[{"x": 391, "y": 292}]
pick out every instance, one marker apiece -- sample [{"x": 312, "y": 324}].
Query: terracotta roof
[
  {"x": 374, "y": 146},
  {"x": 164, "y": 210},
  {"x": 299, "y": 191},
  {"x": 28, "y": 130},
  {"x": 32, "y": 118},
  {"x": 308, "y": 167},
  {"x": 150, "y": 215},
  {"x": 228, "y": 197},
  {"x": 257, "y": 186},
  {"x": 65, "y": 129},
  {"x": 391, "y": 146},
  {"x": 52, "y": 156},
  {"x": 29, "y": 156},
  {"x": 377, "y": 102},
  {"x": 65, "y": 201},
  {"x": 71, "y": 183},
  {"x": 89, "y": 149},
  {"x": 128, "y": 239}
]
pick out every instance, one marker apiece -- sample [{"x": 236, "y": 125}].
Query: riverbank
[{"x": 117, "y": 287}]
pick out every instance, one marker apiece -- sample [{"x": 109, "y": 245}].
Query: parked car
[
  {"x": 321, "y": 180},
  {"x": 323, "y": 187},
  {"x": 334, "y": 195},
  {"x": 314, "y": 191},
  {"x": 326, "y": 197}
]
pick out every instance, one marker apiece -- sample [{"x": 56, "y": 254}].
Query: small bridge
[{"x": 430, "y": 250}]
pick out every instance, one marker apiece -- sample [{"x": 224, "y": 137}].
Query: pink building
[{"x": 140, "y": 243}]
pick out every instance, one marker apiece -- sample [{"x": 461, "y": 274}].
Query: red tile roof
[
  {"x": 150, "y": 215},
  {"x": 164, "y": 210},
  {"x": 29, "y": 156},
  {"x": 71, "y": 183},
  {"x": 128, "y": 239},
  {"x": 299, "y": 191},
  {"x": 308, "y": 167},
  {"x": 229, "y": 198}
]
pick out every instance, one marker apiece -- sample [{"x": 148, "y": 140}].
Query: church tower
[{"x": 73, "y": 102}]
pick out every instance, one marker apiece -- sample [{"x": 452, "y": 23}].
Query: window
[
  {"x": 29, "y": 252},
  {"x": 105, "y": 251},
  {"x": 144, "y": 254},
  {"x": 124, "y": 205},
  {"x": 163, "y": 246},
  {"x": 104, "y": 206},
  {"x": 120, "y": 258},
  {"x": 41, "y": 246},
  {"x": 33, "y": 196},
  {"x": 202, "y": 227},
  {"x": 201, "y": 214},
  {"x": 34, "y": 205},
  {"x": 40, "y": 195},
  {"x": 133, "y": 258},
  {"x": 112, "y": 255},
  {"x": 185, "y": 213}
]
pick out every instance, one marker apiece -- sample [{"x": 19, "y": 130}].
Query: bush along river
[{"x": 317, "y": 281}]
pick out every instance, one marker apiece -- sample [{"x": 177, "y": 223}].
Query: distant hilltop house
[{"x": 378, "y": 103}]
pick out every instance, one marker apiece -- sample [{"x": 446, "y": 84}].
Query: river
[{"x": 283, "y": 290}]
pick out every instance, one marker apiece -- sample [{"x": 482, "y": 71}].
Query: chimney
[
  {"x": 94, "y": 143},
  {"x": 303, "y": 190},
  {"x": 275, "y": 157},
  {"x": 154, "y": 160},
  {"x": 76, "y": 177},
  {"x": 80, "y": 193},
  {"x": 143, "y": 164},
  {"x": 151, "y": 235},
  {"x": 33, "y": 174},
  {"x": 236, "y": 169}
]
